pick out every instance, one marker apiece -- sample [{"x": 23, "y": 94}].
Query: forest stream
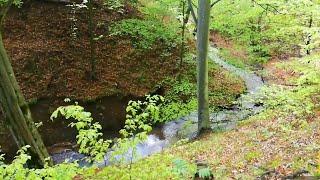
[{"x": 110, "y": 112}]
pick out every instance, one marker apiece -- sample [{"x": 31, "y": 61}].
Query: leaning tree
[{"x": 16, "y": 110}]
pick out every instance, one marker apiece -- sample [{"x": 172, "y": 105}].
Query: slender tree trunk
[
  {"x": 16, "y": 111},
  {"x": 202, "y": 47},
  {"x": 93, "y": 75},
  {"x": 183, "y": 32}
]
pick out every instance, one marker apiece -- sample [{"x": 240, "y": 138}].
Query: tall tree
[
  {"x": 92, "y": 73},
  {"x": 202, "y": 57},
  {"x": 16, "y": 110}
]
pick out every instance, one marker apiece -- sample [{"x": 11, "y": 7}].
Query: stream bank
[{"x": 186, "y": 127}]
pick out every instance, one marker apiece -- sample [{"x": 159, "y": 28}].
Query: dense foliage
[
  {"x": 269, "y": 28},
  {"x": 288, "y": 122}
]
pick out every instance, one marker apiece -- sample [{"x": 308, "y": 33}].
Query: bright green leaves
[
  {"x": 141, "y": 115},
  {"x": 4, "y": 3},
  {"x": 290, "y": 99},
  {"x": 182, "y": 168},
  {"x": 18, "y": 170},
  {"x": 146, "y": 33},
  {"x": 270, "y": 27},
  {"x": 205, "y": 173},
  {"x": 89, "y": 137}
]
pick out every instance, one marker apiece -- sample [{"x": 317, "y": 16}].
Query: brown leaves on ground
[
  {"x": 50, "y": 63},
  {"x": 225, "y": 43}
]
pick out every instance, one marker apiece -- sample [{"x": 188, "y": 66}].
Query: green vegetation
[
  {"x": 269, "y": 28},
  {"x": 147, "y": 33},
  {"x": 282, "y": 125},
  {"x": 89, "y": 136},
  {"x": 89, "y": 139},
  {"x": 242, "y": 153},
  {"x": 231, "y": 59},
  {"x": 279, "y": 142},
  {"x": 180, "y": 97}
]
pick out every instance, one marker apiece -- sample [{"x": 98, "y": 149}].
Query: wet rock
[{"x": 70, "y": 157}]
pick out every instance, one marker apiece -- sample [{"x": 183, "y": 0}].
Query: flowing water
[
  {"x": 186, "y": 127},
  {"x": 110, "y": 112}
]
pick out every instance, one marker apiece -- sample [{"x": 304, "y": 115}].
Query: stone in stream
[{"x": 183, "y": 128}]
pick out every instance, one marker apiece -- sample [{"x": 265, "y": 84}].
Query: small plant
[
  {"x": 74, "y": 8},
  {"x": 139, "y": 119},
  {"x": 18, "y": 169},
  {"x": 251, "y": 156},
  {"x": 117, "y": 5},
  {"x": 205, "y": 173},
  {"x": 183, "y": 169},
  {"x": 89, "y": 136}
]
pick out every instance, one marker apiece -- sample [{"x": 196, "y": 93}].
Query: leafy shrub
[
  {"x": 291, "y": 99},
  {"x": 89, "y": 137},
  {"x": 18, "y": 170},
  {"x": 182, "y": 168},
  {"x": 175, "y": 110},
  {"x": 146, "y": 33},
  {"x": 281, "y": 27},
  {"x": 140, "y": 117}
]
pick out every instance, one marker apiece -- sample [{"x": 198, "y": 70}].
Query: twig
[
  {"x": 296, "y": 174},
  {"x": 275, "y": 10},
  {"x": 214, "y": 3}
]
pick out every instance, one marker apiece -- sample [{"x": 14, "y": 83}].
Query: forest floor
[
  {"x": 51, "y": 61},
  {"x": 281, "y": 142}
]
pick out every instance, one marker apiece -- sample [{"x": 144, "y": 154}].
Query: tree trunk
[
  {"x": 17, "y": 113},
  {"x": 202, "y": 54},
  {"x": 92, "y": 73},
  {"x": 183, "y": 32}
]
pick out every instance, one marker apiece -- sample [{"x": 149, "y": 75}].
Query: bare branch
[
  {"x": 266, "y": 7},
  {"x": 193, "y": 14},
  {"x": 214, "y": 3}
]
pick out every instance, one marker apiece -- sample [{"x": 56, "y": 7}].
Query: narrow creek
[
  {"x": 110, "y": 112},
  {"x": 186, "y": 127}
]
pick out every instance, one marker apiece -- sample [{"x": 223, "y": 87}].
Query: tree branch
[
  {"x": 267, "y": 6},
  {"x": 192, "y": 12},
  {"x": 214, "y": 3}
]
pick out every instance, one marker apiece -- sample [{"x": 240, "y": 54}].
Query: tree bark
[
  {"x": 16, "y": 110},
  {"x": 202, "y": 54}
]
